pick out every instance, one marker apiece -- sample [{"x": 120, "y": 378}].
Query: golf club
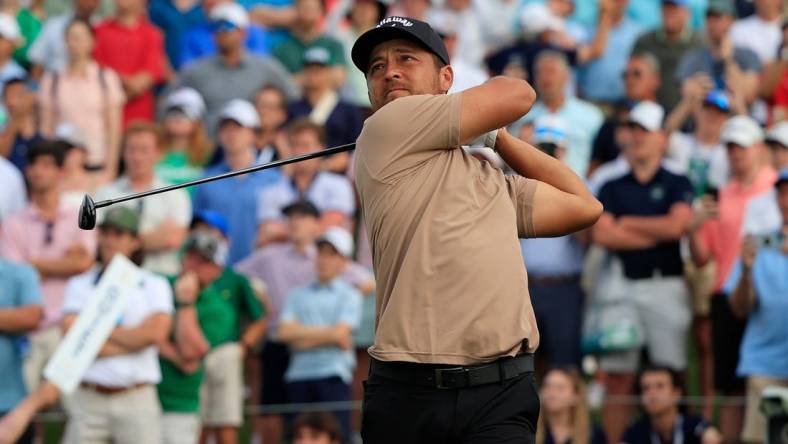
[{"x": 87, "y": 211}]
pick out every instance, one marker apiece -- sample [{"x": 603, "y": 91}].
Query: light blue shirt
[
  {"x": 552, "y": 256},
  {"x": 764, "y": 348},
  {"x": 18, "y": 287},
  {"x": 600, "y": 80},
  {"x": 235, "y": 198},
  {"x": 582, "y": 120},
  {"x": 319, "y": 305}
]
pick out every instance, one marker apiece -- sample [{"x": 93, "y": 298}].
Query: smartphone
[{"x": 771, "y": 241}]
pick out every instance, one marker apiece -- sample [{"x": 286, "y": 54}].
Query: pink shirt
[
  {"x": 26, "y": 235},
  {"x": 723, "y": 235}
]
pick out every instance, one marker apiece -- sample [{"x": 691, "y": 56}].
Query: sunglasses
[
  {"x": 223, "y": 26},
  {"x": 636, "y": 73}
]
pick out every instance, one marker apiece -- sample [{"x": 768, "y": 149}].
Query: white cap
[
  {"x": 741, "y": 130},
  {"x": 648, "y": 115},
  {"x": 779, "y": 133},
  {"x": 317, "y": 55},
  {"x": 340, "y": 239},
  {"x": 242, "y": 112},
  {"x": 70, "y": 134},
  {"x": 187, "y": 100},
  {"x": 231, "y": 12},
  {"x": 536, "y": 18},
  {"x": 9, "y": 28},
  {"x": 550, "y": 129}
]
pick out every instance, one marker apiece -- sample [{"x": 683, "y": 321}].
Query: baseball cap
[
  {"x": 741, "y": 130},
  {"x": 208, "y": 245},
  {"x": 213, "y": 219},
  {"x": 536, "y": 18},
  {"x": 718, "y": 99},
  {"x": 317, "y": 55},
  {"x": 67, "y": 132},
  {"x": 340, "y": 239},
  {"x": 648, "y": 115},
  {"x": 241, "y": 112},
  {"x": 782, "y": 177},
  {"x": 188, "y": 101},
  {"x": 229, "y": 15},
  {"x": 301, "y": 207},
  {"x": 397, "y": 27},
  {"x": 676, "y": 2},
  {"x": 778, "y": 133},
  {"x": 721, "y": 7},
  {"x": 9, "y": 28},
  {"x": 122, "y": 218},
  {"x": 550, "y": 129}
]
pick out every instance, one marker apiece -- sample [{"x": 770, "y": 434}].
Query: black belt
[{"x": 448, "y": 377}]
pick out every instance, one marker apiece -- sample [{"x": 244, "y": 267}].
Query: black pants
[{"x": 499, "y": 413}]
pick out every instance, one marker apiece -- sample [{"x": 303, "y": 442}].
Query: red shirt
[{"x": 130, "y": 50}]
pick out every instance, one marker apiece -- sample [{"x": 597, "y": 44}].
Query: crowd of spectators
[{"x": 258, "y": 290}]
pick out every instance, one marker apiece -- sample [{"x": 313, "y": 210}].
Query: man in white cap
[
  {"x": 716, "y": 234},
  {"x": 236, "y": 198},
  {"x": 647, "y": 212},
  {"x": 10, "y": 38},
  {"x": 316, "y": 322},
  {"x": 763, "y": 215}
]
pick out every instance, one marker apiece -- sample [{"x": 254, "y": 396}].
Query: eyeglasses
[
  {"x": 50, "y": 227},
  {"x": 636, "y": 73}
]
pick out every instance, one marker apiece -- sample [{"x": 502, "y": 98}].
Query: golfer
[{"x": 452, "y": 357}]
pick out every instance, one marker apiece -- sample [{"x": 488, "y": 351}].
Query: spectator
[
  {"x": 463, "y": 16},
  {"x": 237, "y": 124},
  {"x": 76, "y": 180},
  {"x": 730, "y": 67},
  {"x": 233, "y": 73},
  {"x": 10, "y": 40},
  {"x": 226, "y": 298},
  {"x": 116, "y": 399},
  {"x": 417, "y": 9},
  {"x": 641, "y": 83},
  {"x": 134, "y": 48},
  {"x": 554, "y": 279},
  {"x": 49, "y": 50},
  {"x": 757, "y": 289},
  {"x": 763, "y": 213},
  {"x": 12, "y": 190},
  {"x": 582, "y": 118},
  {"x": 647, "y": 211},
  {"x": 498, "y": 20},
  {"x": 760, "y": 32},
  {"x": 565, "y": 417},
  {"x": 316, "y": 323},
  {"x": 164, "y": 218},
  {"x": 716, "y": 235},
  {"x": 316, "y": 428},
  {"x": 87, "y": 96},
  {"x": 668, "y": 44},
  {"x": 29, "y": 19},
  {"x": 199, "y": 41},
  {"x": 304, "y": 34},
  {"x": 321, "y": 103},
  {"x": 20, "y": 312},
  {"x": 176, "y": 19},
  {"x": 660, "y": 392},
  {"x": 600, "y": 80},
  {"x": 45, "y": 236},
  {"x": 774, "y": 85},
  {"x": 180, "y": 361},
  {"x": 271, "y": 105},
  {"x": 331, "y": 193},
  {"x": 21, "y": 129},
  {"x": 187, "y": 148},
  {"x": 466, "y": 74}
]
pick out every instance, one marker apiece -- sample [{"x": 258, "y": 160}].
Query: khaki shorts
[
  {"x": 42, "y": 346},
  {"x": 180, "y": 428},
  {"x": 221, "y": 394},
  {"x": 700, "y": 281},
  {"x": 130, "y": 417},
  {"x": 754, "y": 429}
]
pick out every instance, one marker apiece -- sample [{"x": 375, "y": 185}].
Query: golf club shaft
[{"x": 252, "y": 169}]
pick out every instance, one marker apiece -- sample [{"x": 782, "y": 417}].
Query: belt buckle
[{"x": 439, "y": 376}]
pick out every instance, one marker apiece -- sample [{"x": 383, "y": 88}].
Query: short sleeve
[
  {"x": 406, "y": 131},
  {"x": 29, "y": 289},
  {"x": 521, "y": 191},
  {"x": 606, "y": 198},
  {"x": 9, "y": 242},
  {"x": 681, "y": 191},
  {"x": 159, "y": 294},
  {"x": 252, "y": 305},
  {"x": 270, "y": 201},
  {"x": 747, "y": 60},
  {"x": 733, "y": 278},
  {"x": 74, "y": 295},
  {"x": 350, "y": 313},
  {"x": 115, "y": 94},
  {"x": 688, "y": 65}
]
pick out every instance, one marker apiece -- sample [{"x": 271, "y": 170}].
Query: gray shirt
[
  {"x": 701, "y": 60},
  {"x": 219, "y": 83}
]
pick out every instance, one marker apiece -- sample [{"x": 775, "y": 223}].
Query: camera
[{"x": 772, "y": 241}]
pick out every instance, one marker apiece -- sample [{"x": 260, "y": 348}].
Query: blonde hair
[
  {"x": 580, "y": 417},
  {"x": 200, "y": 147}
]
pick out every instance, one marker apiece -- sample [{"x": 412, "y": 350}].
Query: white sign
[{"x": 93, "y": 325}]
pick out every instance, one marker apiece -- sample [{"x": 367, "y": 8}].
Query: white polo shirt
[
  {"x": 328, "y": 191},
  {"x": 156, "y": 210},
  {"x": 154, "y": 295}
]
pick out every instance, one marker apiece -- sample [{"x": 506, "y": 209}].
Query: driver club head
[{"x": 87, "y": 214}]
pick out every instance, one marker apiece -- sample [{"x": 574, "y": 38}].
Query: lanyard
[{"x": 678, "y": 432}]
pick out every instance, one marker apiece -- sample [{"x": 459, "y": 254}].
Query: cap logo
[{"x": 393, "y": 21}]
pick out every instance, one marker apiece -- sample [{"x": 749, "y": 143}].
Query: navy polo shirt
[
  {"x": 343, "y": 124},
  {"x": 626, "y": 196}
]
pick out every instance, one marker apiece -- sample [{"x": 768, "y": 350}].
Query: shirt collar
[{"x": 61, "y": 211}]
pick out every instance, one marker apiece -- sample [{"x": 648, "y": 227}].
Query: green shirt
[
  {"x": 219, "y": 308},
  {"x": 175, "y": 168},
  {"x": 29, "y": 26},
  {"x": 291, "y": 52}
]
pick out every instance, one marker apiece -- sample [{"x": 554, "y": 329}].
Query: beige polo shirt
[{"x": 444, "y": 228}]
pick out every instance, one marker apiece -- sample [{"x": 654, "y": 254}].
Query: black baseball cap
[
  {"x": 396, "y": 27},
  {"x": 301, "y": 208}
]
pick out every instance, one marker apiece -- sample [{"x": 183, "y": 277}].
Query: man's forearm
[
  {"x": 149, "y": 332},
  {"x": 189, "y": 339},
  {"x": 254, "y": 333},
  {"x": 743, "y": 296},
  {"x": 616, "y": 237},
  {"x": 65, "y": 267},
  {"x": 294, "y": 332},
  {"x": 20, "y": 319},
  {"x": 661, "y": 228}
]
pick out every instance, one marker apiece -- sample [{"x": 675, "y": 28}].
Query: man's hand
[
  {"x": 748, "y": 252},
  {"x": 711, "y": 436},
  {"x": 706, "y": 209},
  {"x": 187, "y": 288},
  {"x": 343, "y": 338},
  {"x": 697, "y": 87}
]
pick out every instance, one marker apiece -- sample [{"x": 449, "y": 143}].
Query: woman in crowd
[{"x": 564, "y": 418}]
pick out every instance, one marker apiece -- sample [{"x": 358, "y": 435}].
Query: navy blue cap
[
  {"x": 214, "y": 219},
  {"x": 395, "y": 27}
]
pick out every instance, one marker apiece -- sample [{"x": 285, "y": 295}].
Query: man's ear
[{"x": 446, "y": 78}]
